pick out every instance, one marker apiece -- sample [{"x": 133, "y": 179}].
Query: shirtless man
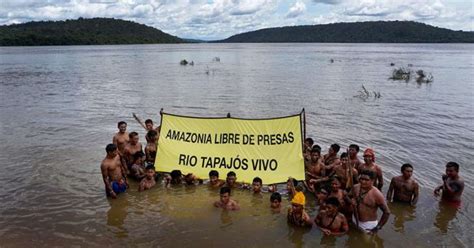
[
  {"x": 225, "y": 202},
  {"x": 346, "y": 172},
  {"x": 353, "y": 151},
  {"x": 315, "y": 170},
  {"x": 148, "y": 125},
  {"x": 331, "y": 159},
  {"x": 112, "y": 171},
  {"x": 307, "y": 146},
  {"x": 121, "y": 138},
  {"x": 403, "y": 188},
  {"x": 214, "y": 181},
  {"x": 131, "y": 148},
  {"x": 149, "y": 181},
  {"x": 330, "y": 220},
  {"x": 296, "y": 214},
  {"x": 453, "y": 184},
  {"x": 150, "y": 148},
  {"x": 231, "y": 179},
  {"x": 369, "y": 159},
  {"x": 366, "y": 200}
]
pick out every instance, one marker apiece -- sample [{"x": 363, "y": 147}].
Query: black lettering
[
  {"x": 290, "y": 137},
  {"x": 273, "y": 164},
  {"x": 245, "y": 165},
  {"x": 182, "y": 159}
]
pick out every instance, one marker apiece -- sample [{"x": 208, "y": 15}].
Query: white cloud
[
  {"x": 296, "y": 10},
  {"x": 216, "y": 19}
]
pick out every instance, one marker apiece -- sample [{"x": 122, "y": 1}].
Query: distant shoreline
[{"x": 109, "y": 31}]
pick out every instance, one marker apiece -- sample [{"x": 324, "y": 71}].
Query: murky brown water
[{"x": 59, "y": 107}]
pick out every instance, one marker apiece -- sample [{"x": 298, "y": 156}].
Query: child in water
[
  {"x": 275, "y": 202},
  {"x": 149, "y": 181},
  {"x": 225, "y": 202}
]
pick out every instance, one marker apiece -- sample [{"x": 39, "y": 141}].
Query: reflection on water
[
  {"x": 117, "y": 214},
  {"x": 295, "y": 235},
  {"x": 446, "y": 213},
  {"x": 59, "y": 107},
  {"x": 360, "y": 239},
  {"x": 401, "y": 213}
]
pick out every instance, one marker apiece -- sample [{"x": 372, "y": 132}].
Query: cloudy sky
[{"x": 217, "y": 19}]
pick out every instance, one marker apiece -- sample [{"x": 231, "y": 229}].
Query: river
[{"x": 59, "y": 107}]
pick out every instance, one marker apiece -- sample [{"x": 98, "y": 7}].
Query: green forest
[
  {"x": 104, "y": 31},
  {"x": 95, "y": 31},
  {"x": 357, "y": 32}
]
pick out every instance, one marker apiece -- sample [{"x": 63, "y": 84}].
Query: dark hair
[
  {"x": 275, "y": 196},
  {"x": 225, "y": 190},
  {"x": 453, "y": 164},
  {"x": 335, "y": 148},
  {"x": 150, "y": 167},
  {"x": 148, "y": 121},
  {"x": 110, "y": 148},
  {"x": 175, "y": 174},
  {"x": 151, "y": 133},
  {"x": 213, "y": 173},
  {"x": 333, "y": 201},
  {"x": 369, "y": 173},
  {"x": 138, "y": 155},
  {"x": 132, "y": 134},
  {"x": 188, "y": 178},
  {"x": 404, "y": 166},
  {"x": 310, "y": 141},
  {"x": 344, "y": 155},
  {"x": 356, "y": 147},
  {"x": 231, "y": 173},
  {"x": 316, "y": 148},
  {"x": 257, "y": 180},
  {"x": 295, "y": 182},
  {"x": 120, "y": 123}
]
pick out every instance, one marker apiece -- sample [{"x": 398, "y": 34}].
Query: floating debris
[
  {"x": 365, "y": 94},
  {"x": 421, "y": 77},
  {"x": 406, "y": 74},
  {"x": 401, "y": 74}
]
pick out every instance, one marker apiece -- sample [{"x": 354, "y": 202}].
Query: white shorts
[{"x": 366, "y": 226}]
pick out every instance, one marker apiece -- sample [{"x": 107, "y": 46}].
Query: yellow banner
[{"x": 268, "y": 148}]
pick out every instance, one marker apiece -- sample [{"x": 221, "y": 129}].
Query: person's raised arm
[
  {"x": 453, "y": 187},
  {"x": 139, "y": 121}
]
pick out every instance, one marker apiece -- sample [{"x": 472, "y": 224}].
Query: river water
[{"x": 59, "y": 107}]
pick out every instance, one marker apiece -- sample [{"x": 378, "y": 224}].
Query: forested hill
[
  {"x": 95, "y": 31},
  {"x": 357, "y": 32}
]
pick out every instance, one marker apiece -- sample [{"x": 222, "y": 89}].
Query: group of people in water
[{"x": 347, "y": 190}]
